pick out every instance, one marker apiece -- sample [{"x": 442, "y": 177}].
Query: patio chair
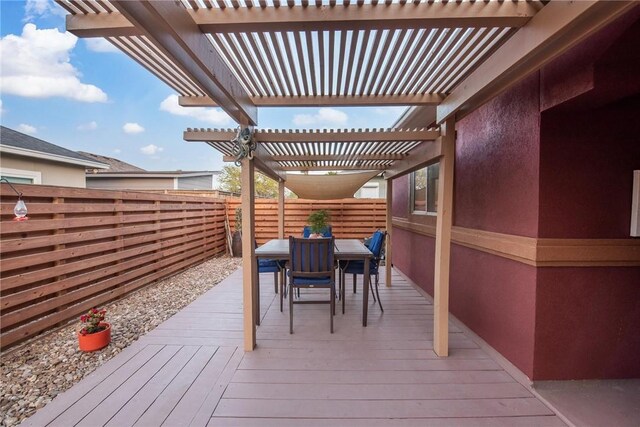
[
  {"x": 306, "y": 232},
  {"x": 357, "y": 267},
  {"x": 270, "y": 266},
  {"x": 311, "y": 266}
]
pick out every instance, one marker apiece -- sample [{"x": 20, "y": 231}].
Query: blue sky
[{"x": 86, "y": 96}]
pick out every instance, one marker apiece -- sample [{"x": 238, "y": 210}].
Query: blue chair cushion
[
  {"x": 268, "y": 266},
  {"x": 307, "y": 281},
  {"x": 375, "y": 245},
  {"x": 357, "y": 267}
]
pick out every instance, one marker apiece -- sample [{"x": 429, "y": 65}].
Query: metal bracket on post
[{"x": 243, "y": 144}]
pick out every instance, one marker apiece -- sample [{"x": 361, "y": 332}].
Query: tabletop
[{"x": 278, "y": 248}]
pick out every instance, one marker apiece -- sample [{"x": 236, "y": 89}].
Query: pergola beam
[
  {"x": 326, "y": 17},
  {"x": 556, "y": 28},
  {"x": 417, "y": 158},
  {"x": 366, "y": 16},
  {"x": 323, "y": 100},
  {"x": 333, "y": 168},
  {"x": 169, "y": 25},
  {"x": 328, "y": 157},
  {"x": 330, "y": 136},
  {"x": 264, "y": 163},
  {"x": 101, "y": 25}
]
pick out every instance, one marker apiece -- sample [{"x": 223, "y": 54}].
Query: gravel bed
[{"x": 35, "y": 372}]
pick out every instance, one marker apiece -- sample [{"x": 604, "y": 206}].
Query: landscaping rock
[{"x": 33, "y": 373}]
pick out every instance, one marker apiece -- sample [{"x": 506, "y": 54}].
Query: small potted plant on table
[
  {"x": 318, "y": 222},
  {"x": 95, "y": 333}
]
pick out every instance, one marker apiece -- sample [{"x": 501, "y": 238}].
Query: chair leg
[
  {"x": 275, "y": 281},
  {"x": 344, "y": 286},
  {"x": 333, "y": 304},
  {"x": 377, "y": 283},
  {"x": 290, "y": 308},
  {"x": 354, "y": 283},
  {"x": 283, "y": 287},
  {"x": 371, "y": 287}
]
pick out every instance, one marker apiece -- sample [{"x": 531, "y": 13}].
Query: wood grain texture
[
  {"x": 192, "y": 370},
  {"x": 85, "y": 247},
  {"x": 542, "y": 252}
]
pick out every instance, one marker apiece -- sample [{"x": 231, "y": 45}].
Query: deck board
[{"x": 191, "y": 370}]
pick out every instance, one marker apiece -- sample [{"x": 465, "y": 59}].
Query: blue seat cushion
[
  {"x": 308, "y": 281},
  {"x": 268, "y": 266},
  {"x": 357, "y": 267}
]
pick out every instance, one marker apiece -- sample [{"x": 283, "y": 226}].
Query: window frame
[
  {"x": 426, "y": 212},
  {"x": 35, "y": 176}
]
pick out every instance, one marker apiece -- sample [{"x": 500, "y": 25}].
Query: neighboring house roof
[
  {"x": 14, "y": 142},
  {"x": 115, "y": 165},
  {"x": 152, "y": 174}
]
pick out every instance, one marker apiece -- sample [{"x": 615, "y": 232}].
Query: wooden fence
[
  {"x": 350, "y": 218},
  {"x": 82, "y": 248}
]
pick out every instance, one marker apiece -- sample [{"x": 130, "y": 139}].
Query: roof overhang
[
  {"x": 51, "y": 157},
  {"x": 146, "y": 175}
]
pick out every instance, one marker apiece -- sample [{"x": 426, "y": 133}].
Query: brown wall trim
[{"x": 540, "y": 252}]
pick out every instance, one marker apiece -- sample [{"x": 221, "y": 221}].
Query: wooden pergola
[{"x": 440, "y": 58}]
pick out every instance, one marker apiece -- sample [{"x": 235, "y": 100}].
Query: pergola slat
[
  {"x": 171, "y": 27},
  {"x": 320, "y": 137}
]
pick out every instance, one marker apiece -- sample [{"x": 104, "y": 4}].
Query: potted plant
[
  {"x": 318, "y": 222},
  {"x": 236, "y": 239},
  {"x": 95, "y": 333}
]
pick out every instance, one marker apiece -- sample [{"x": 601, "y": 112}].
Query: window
[
  {"x": 424, "y": 190},
  {"x": 19, "y": 176}
]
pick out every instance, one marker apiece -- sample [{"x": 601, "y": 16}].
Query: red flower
[
  {"x": 94, "y": 311},
  {"x": 83, "y": 318}
]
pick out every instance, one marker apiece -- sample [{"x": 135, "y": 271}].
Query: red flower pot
[{"x": 96, "y": 341}]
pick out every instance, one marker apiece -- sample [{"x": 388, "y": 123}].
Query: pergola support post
[
  {"x": 249, "y": 267},
  {"x": 443, "y": 240},
  {"x": 280, "y": 209},
  {"x": 389, "y": 225}
]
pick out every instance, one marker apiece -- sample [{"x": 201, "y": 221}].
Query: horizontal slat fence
[
  {"x": 350, "y": 218},
  {"x": 83, "y": 247}
]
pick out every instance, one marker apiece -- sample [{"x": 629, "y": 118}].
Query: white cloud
[
  {"x": 132, "y": 128},
  {"x": 93, "y": 125},
  {"x": 24, "y": 128},
  {"x": 42, "y": 8},
  {"x": 117, "y": 151},
  {"x": 101, "y": 45},
  {"x": 151, "y": 149},
  {"x": 324, "y": 117},
  {"x": 2, "y": 110},
  {"x": 37, "y": 64},
  {"x": 211, "y": 115}
]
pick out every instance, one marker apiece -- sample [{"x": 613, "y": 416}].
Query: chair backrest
[
  {"x": 311, "y": 257},
  {"x": 376, "y": 243},
  {"x": 306, "y": 231}
]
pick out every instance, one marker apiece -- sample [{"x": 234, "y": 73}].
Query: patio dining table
[{"x": 344, "y": 250}]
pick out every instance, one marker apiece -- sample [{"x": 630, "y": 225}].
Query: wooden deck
[{"x": 191, "y": 370}]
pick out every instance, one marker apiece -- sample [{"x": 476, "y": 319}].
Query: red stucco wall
[
  {"x": 497, "y": 156},
  {"x": 562, "y": 173},
  {"x": 587, "y": 322},
  {"x": 414, "y": 255},
  {"x": 587, "y": 318},
  {"x": 496, "y": 298}
]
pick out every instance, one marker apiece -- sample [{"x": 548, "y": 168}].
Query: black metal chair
[
  {"x": 376, "y": 244},
  {"x": 311, "y": 265}
]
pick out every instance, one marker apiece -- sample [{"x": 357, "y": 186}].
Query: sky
[{"x": 85, "y": 95}]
